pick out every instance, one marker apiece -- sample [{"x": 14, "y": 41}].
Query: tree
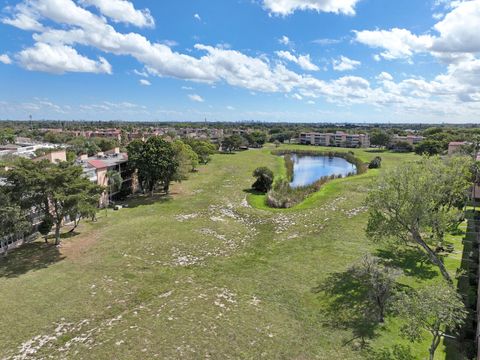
[
  {"x": 232, "y": 143},
  {"x": 81, "y": 145},
  {"x": 264, "y": 179},
  {"x": 256, "y": 138},
  {"x": 416, "y": 203},
  {"x": 105, "y": 144},
  {"x": 46, "y": 226},
  {"x": 66, "y": 189},
  {"x": 55, "y": 189},
  {"x": 435, "y": 309},
  {"x": 204, "y": 149},
  {"x": 7, "y": 136},
  {"x": 187, "y": 160},
  {"x": 402, "y": 146},
  {"x": 13, "y": 220},
  {"x": 380, "y": 138},
  {"x": 87, "y": 205},
  {"x": 114, "y": 179},
  {"x": 429, "y": 147},
  {"x": 155, "y": 161},
  {"x": 379, "y": 282}
]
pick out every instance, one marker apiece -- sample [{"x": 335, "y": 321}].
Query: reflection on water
[{"x": 308, "y": 169}]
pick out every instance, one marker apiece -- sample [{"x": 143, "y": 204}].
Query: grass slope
[{"x": 201, "y": 275}]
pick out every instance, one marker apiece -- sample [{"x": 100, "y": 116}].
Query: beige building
[
  {"x": 456, "y": 146},
  {"x": 410, "y": 139},
  {"x": 338, "y": 139}
]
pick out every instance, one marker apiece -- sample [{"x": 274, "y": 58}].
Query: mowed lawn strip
[{"x": 200, "y": 274}]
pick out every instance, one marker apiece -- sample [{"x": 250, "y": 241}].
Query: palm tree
[{"x": 114, "y": 181}]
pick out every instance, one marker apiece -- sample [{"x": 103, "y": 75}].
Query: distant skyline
[{"x": 357, "y": 61}]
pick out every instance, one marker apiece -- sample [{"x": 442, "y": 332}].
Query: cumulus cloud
[
  {"x": 397, "y": 43},
  {"x": 196, "y": 98},
  {"x": 303, "y": 60},
  {"x": 123, "y": 11},
  {"x": 5, "y": 59},
  {"x": 287, "y": 7},
  {"x": 59, "y": 59},
  {"x": 345, "y": 64},
  {"x": 71, "y": 25},
  {"x": 145, "y": 82},
  {"x": 459, "y": 29}
]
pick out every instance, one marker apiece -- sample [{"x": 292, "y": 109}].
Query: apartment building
[
  {"x": 338, "y": 139},
  {"x": 410, "y": 139},
  {"x": 96, "y": 168},
  {"x": 456, "y": 146}
]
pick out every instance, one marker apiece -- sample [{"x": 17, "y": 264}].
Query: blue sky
[{"x": 233, "y": 60}]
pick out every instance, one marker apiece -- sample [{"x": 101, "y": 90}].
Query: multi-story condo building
[
  {"x": 411, "y": 139},
  {"x": 96, "y": 168},
  {"x": 338, "y": 139}
]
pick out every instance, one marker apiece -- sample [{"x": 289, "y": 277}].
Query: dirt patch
[{"x": 76, "y": 247}]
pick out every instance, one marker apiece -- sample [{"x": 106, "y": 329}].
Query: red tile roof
[{"x": 98, "y": 164}]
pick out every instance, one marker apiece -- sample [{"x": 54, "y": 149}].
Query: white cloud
[
  {"x": 196, "y": 98},
  {"x": 384, "y": 76},
  {"x": 142, "y": 73},
  {"x": 145, "y": 82},
  {"x": 198, "y": 17},
  {"x": 284, "y": 40},
  {"x": 5, "y": 59},
  {"x": 123, "y": 11},
  {"x": 230, "y": 108},
  {"x": 398, "y": 43},
  {"x": 287, "y": 7},
  {"x": 459, "y": 29},
  {"x": 456, "y": 91},
  {"x": 345, "y": 64},
  {"x": 326, "y": 41},
  {"x": 23, "y": 21},
  {"x": 303, "y": 60},
  {"x": 59, "y": 59}
]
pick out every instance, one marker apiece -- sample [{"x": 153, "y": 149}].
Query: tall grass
[{"x": 284, "y": 196}]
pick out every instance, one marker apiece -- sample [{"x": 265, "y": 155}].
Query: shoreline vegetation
[{"x": 283, "y": 196}]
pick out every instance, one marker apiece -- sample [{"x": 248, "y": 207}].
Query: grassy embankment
[{"x": 202, "y": 274}]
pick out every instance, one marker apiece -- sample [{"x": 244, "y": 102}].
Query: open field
[{"x": 203, "y": 275}]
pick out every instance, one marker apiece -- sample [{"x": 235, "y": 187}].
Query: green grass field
[{"x": 209, "y": 273}]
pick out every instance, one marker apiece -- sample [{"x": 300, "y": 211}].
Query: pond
[{"x": 308, "y": 169}]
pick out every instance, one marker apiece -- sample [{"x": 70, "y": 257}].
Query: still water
[{"x": 308, "y": 169}]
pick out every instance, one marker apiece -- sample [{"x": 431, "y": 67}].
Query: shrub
[
  {"x": 264, "y": 179},
  {"x": 375, "y": 163}
]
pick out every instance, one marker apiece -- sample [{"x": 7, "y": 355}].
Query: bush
[
  {"x": 375, "y": 163},
  {"x": 46, "y": 226},
  {"x": 264, "y": 179}
]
